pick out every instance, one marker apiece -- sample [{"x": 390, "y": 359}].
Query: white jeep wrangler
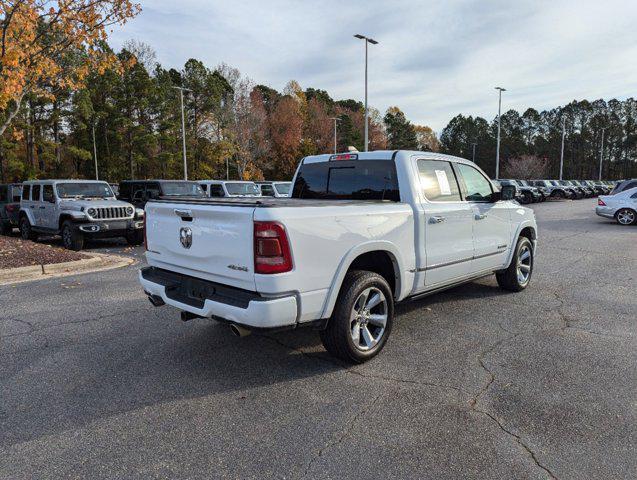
[{"x": 76, "y": 209}]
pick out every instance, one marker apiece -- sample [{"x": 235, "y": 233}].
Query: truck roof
[{"x": 387, "y": 155}]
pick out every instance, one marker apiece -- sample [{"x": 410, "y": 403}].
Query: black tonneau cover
[{"x": 264, "y": 202}]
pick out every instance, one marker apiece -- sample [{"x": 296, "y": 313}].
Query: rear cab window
[{"x": 347, "y": 180}]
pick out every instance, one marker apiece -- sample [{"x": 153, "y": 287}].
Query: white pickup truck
[{"x": 359, "y": 233}]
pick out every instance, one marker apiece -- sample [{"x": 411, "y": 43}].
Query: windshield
[
  {"x": 182, "y": 189},
  {"x": 84, "y": 189},
  {"x": 237, "y": 188},
  {"x": 283, "y": 188}
]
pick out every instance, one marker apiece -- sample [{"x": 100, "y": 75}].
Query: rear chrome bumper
[{"x": 233, "y": 305}]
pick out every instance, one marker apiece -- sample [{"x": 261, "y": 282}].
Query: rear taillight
[
  {"x": 600, "y": 202},
  {"x": 271, "y": 248},
  {"x": 11, "y": 207}
]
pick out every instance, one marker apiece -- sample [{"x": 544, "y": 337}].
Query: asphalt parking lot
[{"x": 473, "y": 383}]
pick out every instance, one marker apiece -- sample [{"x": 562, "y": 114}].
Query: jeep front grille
[{"x": 110, "y": 213}]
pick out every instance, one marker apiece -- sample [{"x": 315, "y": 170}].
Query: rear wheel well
[{"x": 382, "y": 263}]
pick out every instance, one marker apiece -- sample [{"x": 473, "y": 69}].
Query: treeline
[
  {"x": 537, "y": 136},
  {"x": 129, "y": 115}
]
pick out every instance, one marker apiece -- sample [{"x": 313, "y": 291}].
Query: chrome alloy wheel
[
  {"x": 625, "y": 216},
  {"x": 368, "y": 319},
  {"x": 524, "y": 265}
]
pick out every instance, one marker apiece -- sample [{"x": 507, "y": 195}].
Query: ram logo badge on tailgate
[{"x": 185, "y": 237}]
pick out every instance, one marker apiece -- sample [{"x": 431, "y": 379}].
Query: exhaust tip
[
  {"x": 156, "y": 300},
  {"x": 239, "y": 331}
]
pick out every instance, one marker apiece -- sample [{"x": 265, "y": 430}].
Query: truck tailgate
[{"x": 209, "y": 241}]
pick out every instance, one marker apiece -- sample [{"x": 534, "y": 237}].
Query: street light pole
[
  {"x": 562, "y": 151},
  {"x": 373, "y": 42},
  {"x": 497, "y": 149},
  {"x": 183, "y": 128},
  {"x": 473, "y": 155},
  {"x": 95, "y": 152},
  {"x": 601, "y": 154},
  {"x": 336, "y": 119}
]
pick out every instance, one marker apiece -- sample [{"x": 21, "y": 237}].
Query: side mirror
[{"x": 508, "y": 192}]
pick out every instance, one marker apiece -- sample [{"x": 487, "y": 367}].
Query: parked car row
[
  {"x": 531, "y": 191},
  {"x": 80, "y": 209}
]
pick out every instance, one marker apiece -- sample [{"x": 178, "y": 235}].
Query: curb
[{"x": 95, "y": 263}]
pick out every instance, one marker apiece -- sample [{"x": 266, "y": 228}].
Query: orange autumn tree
[{"x": 35, "y": 36}]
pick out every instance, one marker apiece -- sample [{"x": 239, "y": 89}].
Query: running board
[{"x": 420, "y": 295}]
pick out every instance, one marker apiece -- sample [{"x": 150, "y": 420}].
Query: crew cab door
[
  {"x": 491, "y": 220},
  {"x": 445, "y": 224}
]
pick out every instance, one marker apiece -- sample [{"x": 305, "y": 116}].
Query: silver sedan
[{"x": 621, "y": 206}]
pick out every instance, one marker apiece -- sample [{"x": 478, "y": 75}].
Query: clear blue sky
[{"x": 434, "y": 59}]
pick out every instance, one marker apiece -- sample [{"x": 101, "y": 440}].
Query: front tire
[
  {"x": 626, "y": 216},
  {"x": 362, "y": 319},
  {"x": 72, "y": 238},
  {"x": 26, "y": 232},
  {"x": 518, "y": 274}
]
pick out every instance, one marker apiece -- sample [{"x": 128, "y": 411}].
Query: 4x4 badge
[{"x": 185, "y": 237}]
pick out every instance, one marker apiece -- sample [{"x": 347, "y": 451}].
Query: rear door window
[
  {"x": 348, "y": 180},
  {"x": 438, "y": 181},
  {"x": 26, "y": 192},
  {"x": 35, "y": 193}
]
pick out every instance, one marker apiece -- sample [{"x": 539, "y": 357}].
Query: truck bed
[{"x": 266, "y": 202}]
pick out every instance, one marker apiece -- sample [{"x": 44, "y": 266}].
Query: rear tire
[
  {"x": 72, "y": 238},
  {"x": 135, "y": 237},
  {"x": 26, "y": 232},
  {"x": 362, "y": 318},
  {"x": 626, "y": 216},
  {"x": 518, "y": 274}
]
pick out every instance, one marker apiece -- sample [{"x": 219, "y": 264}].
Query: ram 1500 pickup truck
[{"x": 360, "y": 232}]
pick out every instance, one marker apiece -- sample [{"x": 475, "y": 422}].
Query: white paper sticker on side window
[{"x": 443, "y": 182}]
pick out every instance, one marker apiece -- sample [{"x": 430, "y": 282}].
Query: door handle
[
  {"x": 437, "y": 219},
  {"x": 42, "y": 208},
  {"x": 32, "y": 206},
  {"x": 480, "y": 216}
]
